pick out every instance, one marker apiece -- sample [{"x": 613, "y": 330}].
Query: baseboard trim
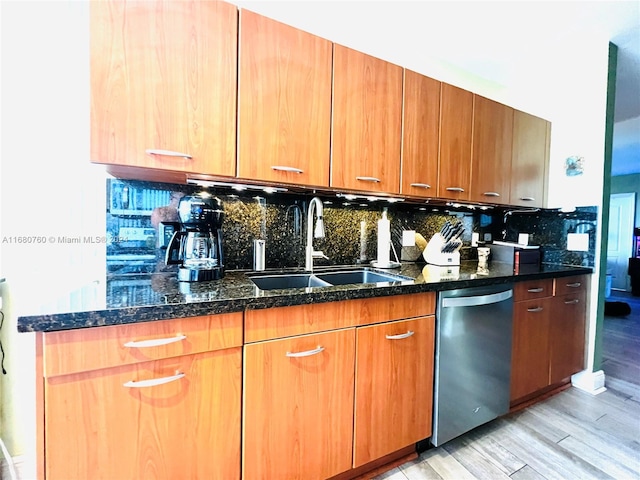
[{"x": 590, "y": 382}]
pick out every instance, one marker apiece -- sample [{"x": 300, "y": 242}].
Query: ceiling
[{"x": 498, "y": 41}]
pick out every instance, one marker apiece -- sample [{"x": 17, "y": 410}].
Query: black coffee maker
[{"x": 197, "y": 246}]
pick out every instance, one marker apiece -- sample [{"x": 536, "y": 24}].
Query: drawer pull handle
[
  {"x": 536, "y": 290},
  {"x": 535, "y": 309},
  {"x": 167, "y": 153},
  {"x": 574, "y": 285},
  {"x": 153, "y": 382},
  {"x": 282, "y": 168},
  {"x": 572, "y": 302},
  {"x": 401, "y": 336},
  {"x": 368, "y": 179},
  {"x": 491, "y": 194},
  {"x": 454, "y": 189},
  {"x": 527, "y": 199},
  {"x": 421, "y": 185},
  {"x": 306, "y": 353},
  {"x": 156, "y": 342}
]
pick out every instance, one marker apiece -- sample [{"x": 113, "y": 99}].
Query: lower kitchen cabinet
[
  {"x": 548, "y": 334},
  {"x": 298, "y": 406},
  {"x": 530, "y": 347},
  {"x": 567, "y": 336},
  {"x": 127, "y": 423},
  {"x": 331, "y": 388},
  {"x": 394, "y": 387},
  {"x": 175, "y": 416}
]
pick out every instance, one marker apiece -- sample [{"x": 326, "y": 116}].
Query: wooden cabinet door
[
  {"x": 420, "y": 130},
  {"x": 366, "y": 123},
  {"x": 531, "y": 137},
  {"x": 567, "y": 336},
  {"x": 163, "y": 79},
  {"x": 456, "y": 119},
  {"x": 298, "y": 406},
  {"x": 394, "y": 387},
  {"x": 284, "y": 103},
  {"x": 492, "y": 146},
  {"x": 96, "y": 427},
  {"x": 530, "y": 347}
]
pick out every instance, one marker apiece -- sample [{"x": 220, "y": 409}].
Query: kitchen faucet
[
  {"x": 318, "y": 232},
  {"x": 511, "y": 212}
]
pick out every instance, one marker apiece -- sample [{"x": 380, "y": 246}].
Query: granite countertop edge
[{"x": 238, "y": 299}]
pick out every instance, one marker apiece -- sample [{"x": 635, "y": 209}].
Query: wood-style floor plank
[
  {"x": 527, "y": 473},
  {"x": 543, "y": 455},
  {"x": 599, "y": 458},
  {"x": 476, "y": 463},
  {"x": 436, "y": 461}
]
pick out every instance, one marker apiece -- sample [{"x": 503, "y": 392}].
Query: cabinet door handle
[
  {"x": 572, "y": 302},
  {"x": 454, "y": 189},
  {"x": 399, "y": 337},
  {"x": 527, "y": 199},
  {"x": 491, "y": 194},
  {"x": 282, "y": 168},
  {"x": 536, "y": 290},
  {"x": 535, "y": 309},
  {"x": 421, "y": 185},
  {"x": 167, "y": 153},
  {"x": 153, "y": 382},
  {"x": 574, "y": 285},
  {"x": 156, "y": 342},
  {"x": 368, "y": 179},
  {"x": 306, "y": 353}
]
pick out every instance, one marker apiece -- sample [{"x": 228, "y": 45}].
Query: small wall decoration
[{"x": 574, "y": 166}]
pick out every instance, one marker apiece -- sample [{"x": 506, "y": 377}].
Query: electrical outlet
[
  {"x": 408, "y": 238},
  {"x": 578, "y": 242},
  {"x": 523, "y": 238},
  {"x": 475, "y": 236}
]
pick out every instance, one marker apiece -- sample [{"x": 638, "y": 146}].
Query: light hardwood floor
[{"x": 572, "y": 435}]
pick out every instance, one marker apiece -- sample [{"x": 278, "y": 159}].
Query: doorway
[{"x": 621, "y": 216}]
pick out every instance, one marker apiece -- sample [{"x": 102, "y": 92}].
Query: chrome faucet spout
[{"x": 314, "y": 205}]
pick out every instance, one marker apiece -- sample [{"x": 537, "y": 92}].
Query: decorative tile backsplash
[{"x": 351, "y": 237}]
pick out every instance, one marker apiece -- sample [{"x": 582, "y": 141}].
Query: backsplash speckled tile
[{"x": 351, "y": 227}]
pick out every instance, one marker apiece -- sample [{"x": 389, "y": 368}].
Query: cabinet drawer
[
  {"x": 532, "y": 289},
  {"x": 85, "y": 349},
  {"x": 571, "y": 285},
  {"x": 172, "y": 418},
  {"x": 302, "y": 319}
]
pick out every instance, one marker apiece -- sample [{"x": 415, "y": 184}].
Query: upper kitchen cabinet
[
  {"x": 421, "y": 126},
  {"x": 456, "y": 118},
  {"x": 284, "y": 103},
  {"x": 531, "y": 139},
  {"x": 163, "y": 85},
  {"x": 366, "y": 126},
  {"x": 491, "y": 157}
]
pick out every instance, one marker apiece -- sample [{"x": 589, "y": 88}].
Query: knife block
[{"x": 434, "y": 255}]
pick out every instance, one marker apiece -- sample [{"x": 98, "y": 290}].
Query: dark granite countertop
[{"x": 121, "y": 299}]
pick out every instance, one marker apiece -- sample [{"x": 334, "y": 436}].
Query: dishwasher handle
[{"x": 477, "y": 300}]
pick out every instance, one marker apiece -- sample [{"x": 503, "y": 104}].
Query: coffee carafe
[{"x": 197, "y": 246}]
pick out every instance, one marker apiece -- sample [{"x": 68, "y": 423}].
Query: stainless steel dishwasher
[{"x": 473, "y": 359}]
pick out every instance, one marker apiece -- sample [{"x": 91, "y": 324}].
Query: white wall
[{"x": 49, "y": 188}]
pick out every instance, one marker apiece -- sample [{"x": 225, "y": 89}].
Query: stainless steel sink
[
  {"x": 279, "y": 281},
  {"x": 360, "y": 276},
  {"x": 282, "y": 281}
]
